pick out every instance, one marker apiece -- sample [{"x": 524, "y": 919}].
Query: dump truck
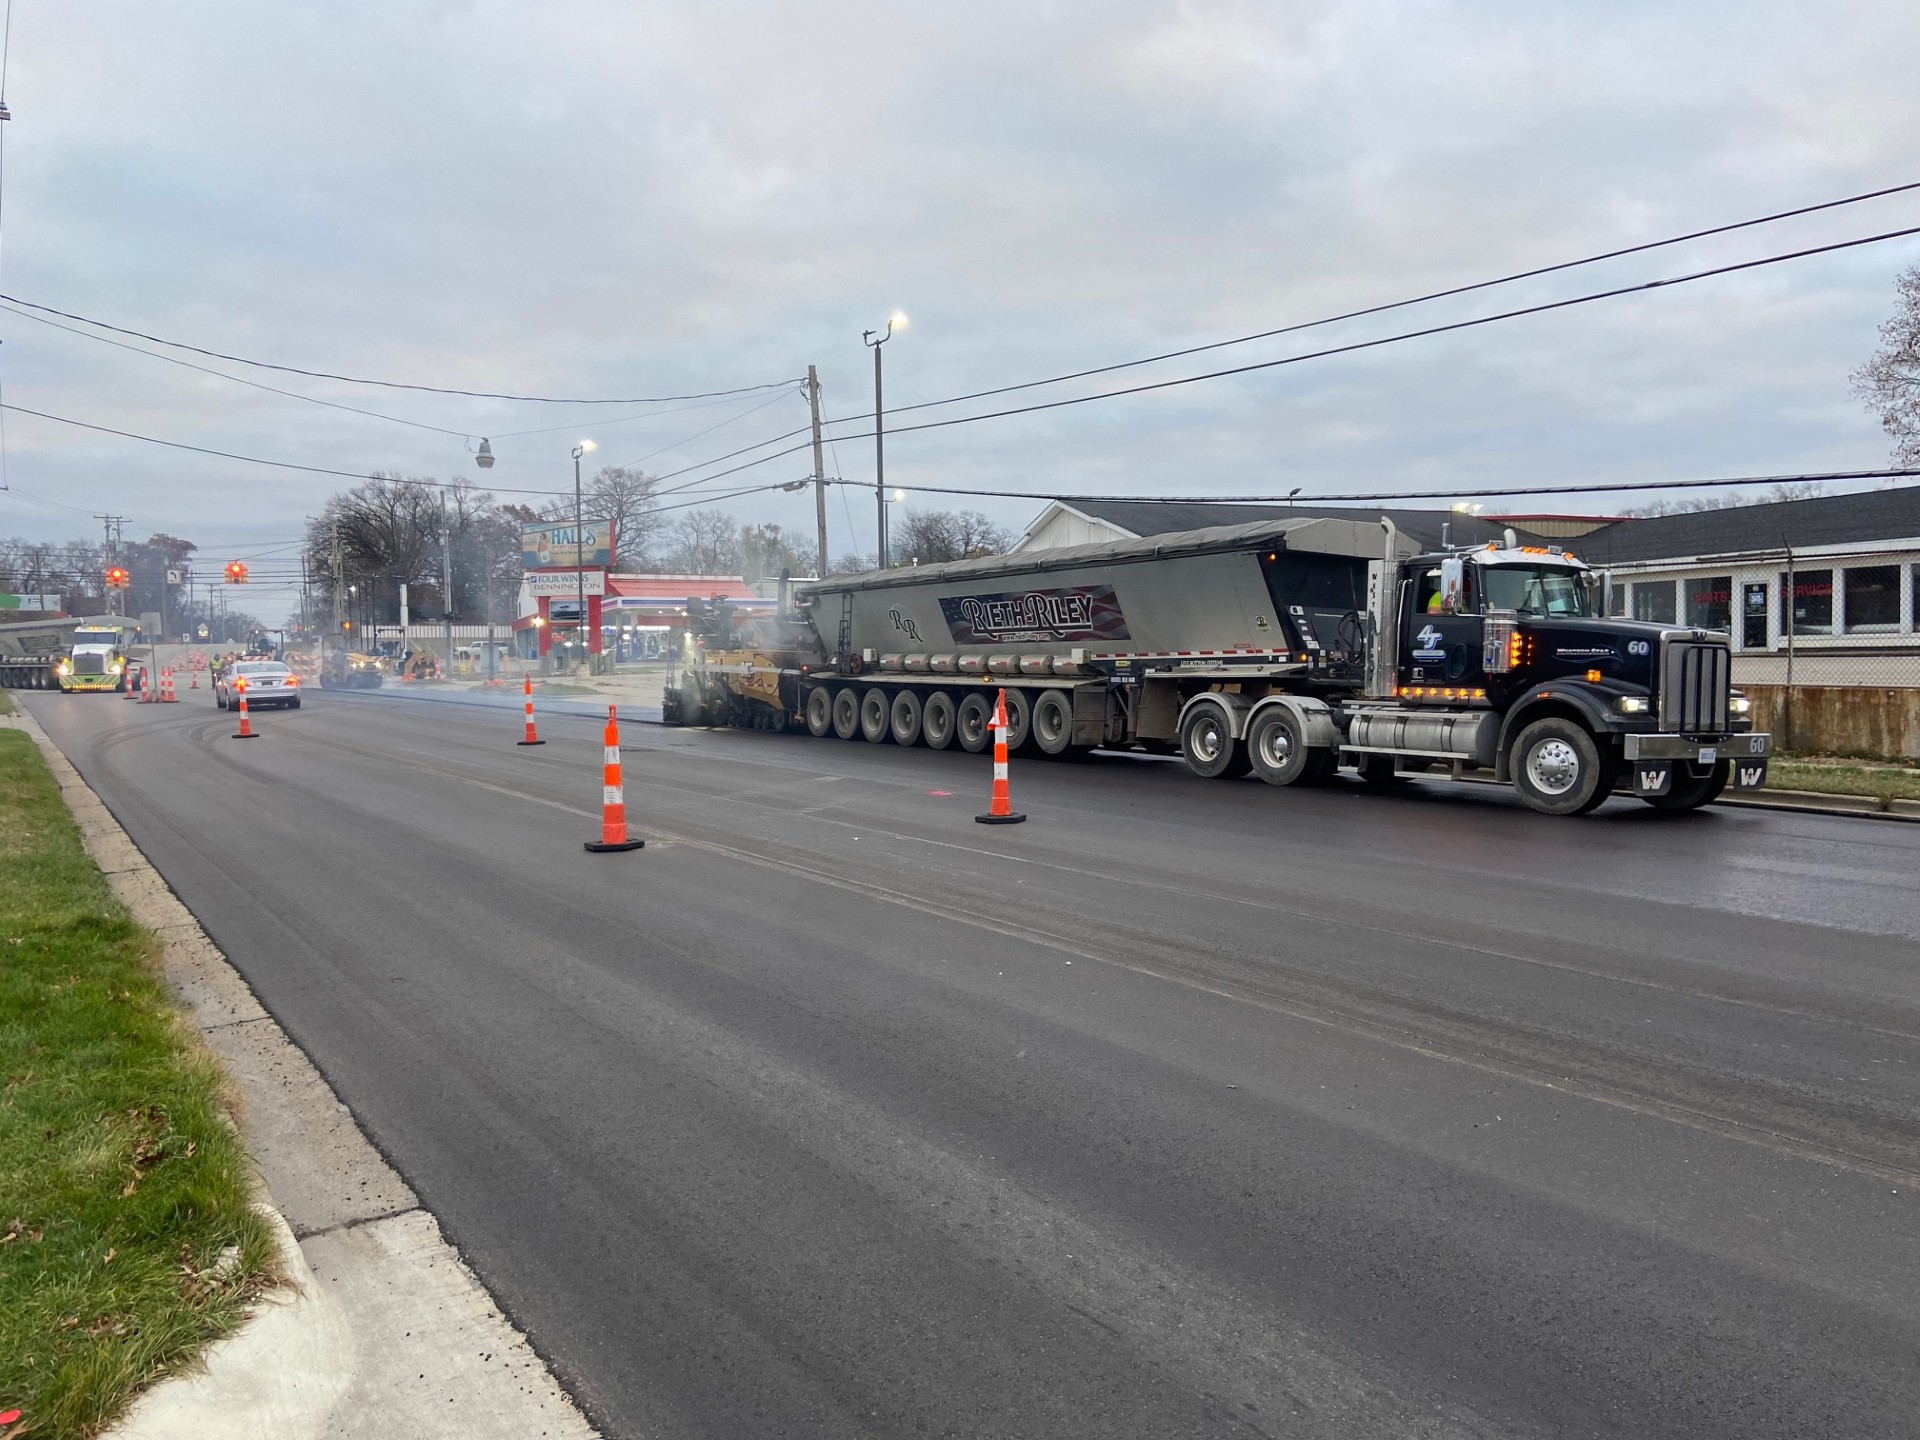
[
  {"x": 1291, "y": 648},
  {"x": 66, "y": 655}
]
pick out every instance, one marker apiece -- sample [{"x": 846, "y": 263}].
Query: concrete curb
[
  {"x": 383, "y": 1332},
  {"x": 1819, "y": 802}
]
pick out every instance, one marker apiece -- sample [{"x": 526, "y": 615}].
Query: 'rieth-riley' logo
[{"x": 1080, "y": 612}]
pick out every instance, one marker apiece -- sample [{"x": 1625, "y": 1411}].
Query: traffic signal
[
  {"x": 236, "y": 572},
  {"x": 117, "y": 577}
]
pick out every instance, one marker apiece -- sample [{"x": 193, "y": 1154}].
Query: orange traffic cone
[
  {"x": 245, "y": 732},
  {"x": 533, "y": 736},
  {"x": 193, "y": 677},
  {"x": 167, "y": 697},
  {"x": 1001, "y": 812},
  {"x": 613, "y": 796}
]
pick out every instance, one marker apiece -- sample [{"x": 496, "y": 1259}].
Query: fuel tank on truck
[{"x": 1198, "y": 591}]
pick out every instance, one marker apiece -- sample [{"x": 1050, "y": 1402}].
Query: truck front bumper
[{"x": 1655, "y": 760}]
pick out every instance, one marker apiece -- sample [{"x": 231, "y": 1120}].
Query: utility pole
[
  {"x": 446, "y": 581},
  {"x": 819, "y": 470},
  {"x": 880, "y": 454},
  {"x": 336, "y": 587},
  {"x": 116, "y": 604}
]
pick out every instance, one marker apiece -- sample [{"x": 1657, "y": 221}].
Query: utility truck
[
  {"x": 1292, "y": 648},
  {"x": 66, "y": 655}
]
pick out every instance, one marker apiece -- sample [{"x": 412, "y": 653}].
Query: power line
[
  {"x": 236, "y": 379},
  {"x": 1414, "y": 300},
  {"x": 274, "y": 464},
  {"x": 392, "y": 384},
  {"x": 1394, "y": 339},
  {"x": 1582, "y": 488}
]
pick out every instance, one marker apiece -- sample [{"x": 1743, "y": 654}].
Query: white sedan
[{"x": 268, "y": 682}]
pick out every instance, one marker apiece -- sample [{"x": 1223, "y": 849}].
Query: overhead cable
[
  {"x": 1390, "y": 305},
  {"x": 396, "y": 384}
]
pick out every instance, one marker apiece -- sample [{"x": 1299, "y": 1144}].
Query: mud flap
[
  {"x": 1750, "y": 774},
  {"x": 1652, "y": 777}
]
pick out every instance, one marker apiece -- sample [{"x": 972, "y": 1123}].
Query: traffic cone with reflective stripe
[
  {"x": 613, "y": 796},
  {"x": 245, "y": 732},
  {"x": 167, "y": 697},
  {"x": 1001, "y": 812},
  {"x": 533, "y": 737},
  {"x": 146, "y": 686}
]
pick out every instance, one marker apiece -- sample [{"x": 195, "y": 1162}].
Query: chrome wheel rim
[
  {"x": 1276, "y": 747},
  {"x": 1206, "y": 741},
  {"x": 1554, "y": 767}
]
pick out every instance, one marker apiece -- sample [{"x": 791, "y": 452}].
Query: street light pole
[
  {"x": 895, "y": 321},
  {"x": 585, "y": 447}
]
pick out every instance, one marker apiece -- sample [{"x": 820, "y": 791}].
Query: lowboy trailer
[{"x": 1293, "y": 648}]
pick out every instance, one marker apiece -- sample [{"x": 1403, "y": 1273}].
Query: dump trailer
[
  {"x": 1292, "y": 648},
  {"x": 66, "y": 655}
]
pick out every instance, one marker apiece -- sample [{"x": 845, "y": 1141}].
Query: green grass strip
[
  {"x": 126, "y": 1238},
  {"x": 1838, "y": 777}
]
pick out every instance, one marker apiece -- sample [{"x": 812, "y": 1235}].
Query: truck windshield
[{"x": 1538, "y": 590}]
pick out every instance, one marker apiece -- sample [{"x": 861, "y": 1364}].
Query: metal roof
[{"x": 1872, "y": 515}]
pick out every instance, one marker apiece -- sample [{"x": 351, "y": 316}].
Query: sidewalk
[{"x": 385, "y": 1334}]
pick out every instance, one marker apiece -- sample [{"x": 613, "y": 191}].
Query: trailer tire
[
  {"x": 937, "y": 720},
  {"x": 1277, "y": 746},
  {"x": 973, "y": 723},
  {"x": 907, "y": 717},
  {"x": 1052, "y": 722},
  {"x": 1559, "y": 769},
  {"x": 876, "y": 716},
  {"x": 1693, "y": 791},
  {"x": 846, "y": 712},
  {"x": 819, "y": 711},
  {"x": 1019, "y": 720},
  {"x": 1207, "y": 743}
]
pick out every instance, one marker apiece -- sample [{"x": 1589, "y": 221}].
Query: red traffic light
[
  {"x": 117, "y": 577},
  {"x": 236, "y": 572}
]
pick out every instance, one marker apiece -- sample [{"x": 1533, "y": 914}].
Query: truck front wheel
[
  {"x": 1558, "y": 769},
  {"x": 1689, "y": 791},
  {"x": 1208, "y": 744}
]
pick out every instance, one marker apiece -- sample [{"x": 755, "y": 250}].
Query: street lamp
[
  {"x": 895, "y": 321},
  {"x": 585, "y": 447}
]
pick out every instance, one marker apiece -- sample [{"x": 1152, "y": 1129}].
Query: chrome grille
[{"x": 1694, "y": 680}]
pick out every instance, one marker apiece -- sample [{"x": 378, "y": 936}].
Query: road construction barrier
[
  {"x": 1001, "y": 811},
  {"x": 613, "y": 795},
  {"x": 245, "y": 732},
  {"x": 167, "y": 697},
  {"x": 132, "y": 683},
  {"x": 533, "y": 736}
]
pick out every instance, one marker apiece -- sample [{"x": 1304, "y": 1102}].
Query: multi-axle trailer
[{"x": 1292, "y": 648}]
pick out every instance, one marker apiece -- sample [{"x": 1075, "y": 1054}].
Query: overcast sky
[{"x": 629, "y": 199}]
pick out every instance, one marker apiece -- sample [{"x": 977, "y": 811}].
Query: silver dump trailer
[{"x": 1289, "y": 647}]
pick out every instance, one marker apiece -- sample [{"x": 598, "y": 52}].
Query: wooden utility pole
[{"x": 819, "y": 472}]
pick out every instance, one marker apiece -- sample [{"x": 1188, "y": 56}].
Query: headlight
[
  {"x": 1740, "y": 705},
  {"x": 63, "y": 667},
  {"x": 1632, "y": 704}
]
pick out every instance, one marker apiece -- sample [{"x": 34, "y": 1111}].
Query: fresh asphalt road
[{"x": 1186, "y": 1108}]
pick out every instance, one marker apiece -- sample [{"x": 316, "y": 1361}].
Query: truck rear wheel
[
  {"x": 1277, "y": 745},
  {"x": 936, "y": 720},
  {"x": 906, "y": 718},
  {"x": 819, "y": 711},
  {"x": 876, "y": 716},
  {"x": 973, "y": 723},
  {"x": 1053, "y": 722},
  {"x": 1207, "y": 742},
  {"x": 846, "y": 712},
  {"x": 1019, "y": 720},
  {"x": 1689, "y": 791},
  {"x": 1558, "y": 769}
]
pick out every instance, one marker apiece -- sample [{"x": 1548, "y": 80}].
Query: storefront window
[
  {"x": 1873, "y": 599},
  {"x": 1807, "y": 596},
  {"x": 1653, "y": 601},
  {"x": 1710, "y": 602}
]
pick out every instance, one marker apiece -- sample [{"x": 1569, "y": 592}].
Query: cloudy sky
[{"x": 616, "y": 199}]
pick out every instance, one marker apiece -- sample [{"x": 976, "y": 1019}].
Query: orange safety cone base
[
  {"x": 601, "y": 847},
  {"x": 246, "y": 735},
  {"x": 999, "y": 819},
  {"x": 529, "y": 742}
]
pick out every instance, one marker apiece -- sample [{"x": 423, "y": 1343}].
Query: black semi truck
[{"x": 1293, "y": 648}]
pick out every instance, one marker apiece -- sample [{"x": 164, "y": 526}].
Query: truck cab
[
  {"x": 96, "y": 659},
  {"x": 1564, "y": 702}
]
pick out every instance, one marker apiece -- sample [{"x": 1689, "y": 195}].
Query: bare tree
[
  {"x": 703, "y": 542},
  {"x": 389, "y": 534},
  {"x": 1889, "y": 382},
  {"x": 766, "y": 550},
  {"x": 927, "y": 537},
  {"x": 624, "y": 496}
]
